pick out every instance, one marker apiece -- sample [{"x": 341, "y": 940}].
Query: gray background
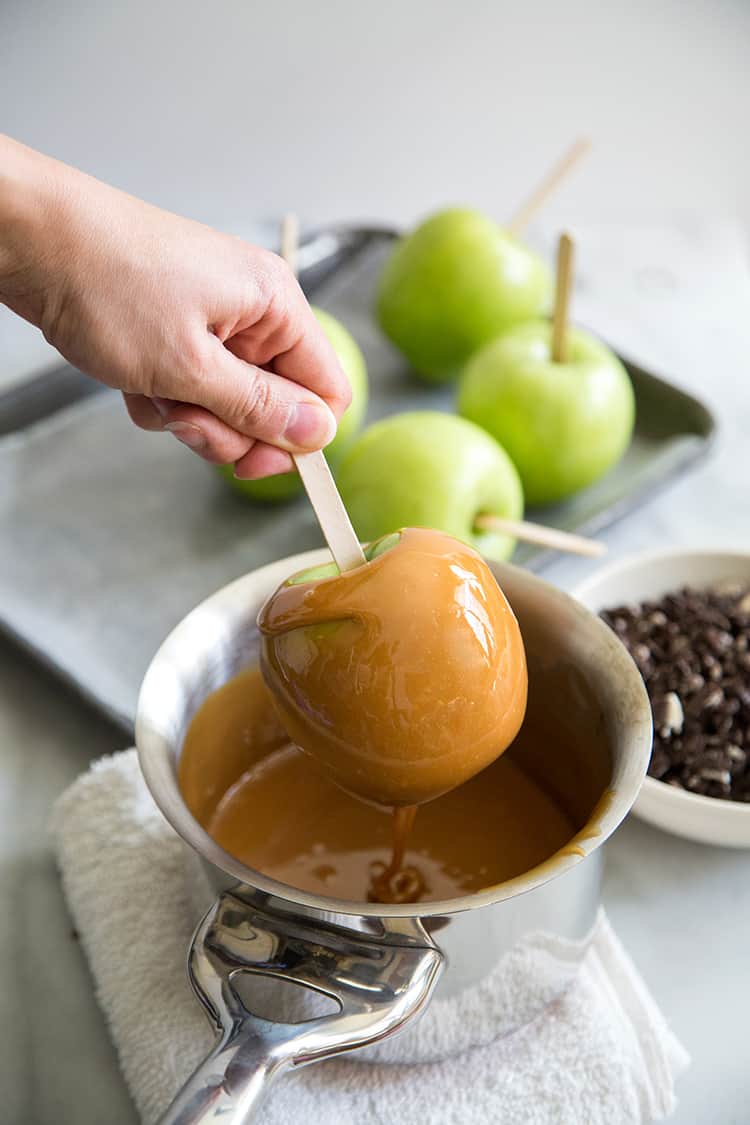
[
  {"x": 355, "y": 110},
  {"x": 350, "y": 109}
]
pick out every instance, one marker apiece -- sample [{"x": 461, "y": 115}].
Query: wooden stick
[
  {"x": 290, "y": 241},
  {"x": 313, "y": 468},
  {"x": 548, "y": 185},
  {"x": 329, "y": 508},
  {"x": 562, "y": 298},
  {"x": 544, "y": 536}
]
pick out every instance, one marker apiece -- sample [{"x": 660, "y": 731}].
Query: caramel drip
[{"x": 394, "y": 881}]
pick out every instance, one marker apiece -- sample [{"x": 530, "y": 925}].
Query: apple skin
[
  {"x": 428, "y": 469},
  {"x": 371, "y": 552},
  {"x": 563, "y": 425},
  {"x": 453, "y": 284},
  {"x": 285, "y": 486}
]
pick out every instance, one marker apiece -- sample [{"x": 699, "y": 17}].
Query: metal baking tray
[{"x": 108, "y": 535}]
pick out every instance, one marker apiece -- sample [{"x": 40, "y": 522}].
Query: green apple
[
  {"x": 455, "y": 283},
  {"x": 330, "y": 570},
  {"x": 563, "y": 424},
  {"x": 427, "y": 469},
  {"x": 285, "y": 486}
]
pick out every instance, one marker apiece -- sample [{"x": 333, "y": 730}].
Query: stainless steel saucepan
[{"x": 586, "y": 739}]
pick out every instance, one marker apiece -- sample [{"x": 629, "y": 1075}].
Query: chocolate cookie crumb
[{"x": 692, "y": 648}]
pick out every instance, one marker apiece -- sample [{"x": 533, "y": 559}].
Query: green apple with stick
[
  {"x": 452, "y": 285},
  {"x": 556, "y": 398},
  {"x": 460, "y": 279},
  {"x": 429, "y": 469}
]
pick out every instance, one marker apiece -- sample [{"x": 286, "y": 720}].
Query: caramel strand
[{"x": 392, "y": 882}]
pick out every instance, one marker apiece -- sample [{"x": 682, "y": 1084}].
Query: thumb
[{"x": 261, "y": 404}]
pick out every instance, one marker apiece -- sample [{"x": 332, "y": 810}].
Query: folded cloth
[{"x": 600, "y": 1054}]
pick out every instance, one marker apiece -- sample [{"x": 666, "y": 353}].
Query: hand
[{"x": 208, "y": 338}]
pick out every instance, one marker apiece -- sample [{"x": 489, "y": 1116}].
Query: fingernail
[
  {"x": 188, "y": 434},
  {"x": 310, "y": 426}
]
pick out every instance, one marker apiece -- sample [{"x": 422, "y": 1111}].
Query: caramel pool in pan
[{"x": 282, "y": 815}]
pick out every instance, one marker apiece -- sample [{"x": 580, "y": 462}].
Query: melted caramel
[
  {"x": 397, "y": 881},
  {"x": 403, "y": 677},
  {"x": 282, "y": 815},
  {"x": 234, "y": 729}
]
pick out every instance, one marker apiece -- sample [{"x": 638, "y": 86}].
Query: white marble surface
[{"x": 388, "y": 111}]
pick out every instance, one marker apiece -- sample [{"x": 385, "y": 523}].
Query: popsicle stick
[
  {"x": 290, "y": 241},
  {"x": 543, "y": 536},
  {"x": 562, "y": 298},
  {"x": 313, "y": 468},
  {"x": 329, "y": 508},
  {"x": 548, "y": 185}
]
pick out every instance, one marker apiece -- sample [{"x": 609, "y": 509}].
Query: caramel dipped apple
[{"x": 404, "y": 677}]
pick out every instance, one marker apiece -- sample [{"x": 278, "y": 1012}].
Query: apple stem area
[{"x": 540, "y": 535}]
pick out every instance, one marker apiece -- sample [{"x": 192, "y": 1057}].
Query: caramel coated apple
[{"x": 402, "y": 678}]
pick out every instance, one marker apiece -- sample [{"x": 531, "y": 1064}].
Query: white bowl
[{"x": 647, "y": 576}]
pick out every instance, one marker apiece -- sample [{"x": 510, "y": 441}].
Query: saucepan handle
[
  {"x": 377, "y": 982},
  {"x": 229, "y": 1084}
]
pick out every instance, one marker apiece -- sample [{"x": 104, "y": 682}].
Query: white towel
[{"x": 602, "y": 1054}]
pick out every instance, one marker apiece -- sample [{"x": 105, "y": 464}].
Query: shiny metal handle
[
  {"x": 229, "y": 1084},
  {"x": 377, "y": 982}
]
